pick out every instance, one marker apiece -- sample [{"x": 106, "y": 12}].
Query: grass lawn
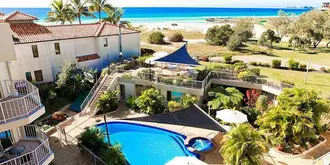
[{"x": 316, "y": 81}]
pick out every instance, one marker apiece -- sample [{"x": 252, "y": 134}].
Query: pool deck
[{"x": 77, "y": 127}]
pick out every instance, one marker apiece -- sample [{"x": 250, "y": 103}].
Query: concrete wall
[
  {"x": 7, "y": 52},
  {"x": 3, "y": 76},
  {"x": 50, "y": 63}
]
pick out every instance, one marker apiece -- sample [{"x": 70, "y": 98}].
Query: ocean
[{"x": 172, "y": 14}]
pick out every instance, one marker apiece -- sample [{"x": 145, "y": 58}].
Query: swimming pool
[{"x": 144, "y": 144}]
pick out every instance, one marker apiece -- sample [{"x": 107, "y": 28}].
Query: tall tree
[
  {"x": 312, "y": 25},
  {"x": 282, "y": 23},
  {"x": 243, "y": 28},
  {"x": 60, "y": 12},
  {"x": 98, "y": 6},
  {"x": 79, "y": 9},
  {"x": 268, "y": 38},
  {"x": 243, "y": 146},
  {"x": 218, "y": 35},
  {"x": 114, "y": 16}
]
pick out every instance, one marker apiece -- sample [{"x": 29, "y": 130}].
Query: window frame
[
  {"x": 27, "y": 77},
  {"x": 35, "y": 76},
  {"x": 35, "y": 51},
  {"x": 57, "y": 48},
  {"x": 105, "y": 42}
]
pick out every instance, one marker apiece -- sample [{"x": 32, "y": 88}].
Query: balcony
[
  {"x": 31, "y": 147},
  {"x": 21, "y": 107}
]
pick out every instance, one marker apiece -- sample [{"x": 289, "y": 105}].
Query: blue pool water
[
  {"x": 146, "y": 145},
  {"x": 201, "y": 144}
]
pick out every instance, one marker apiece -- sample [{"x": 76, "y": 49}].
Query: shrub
[
  {"x": 255, "y": 71},
  {"x": 287, "y": 82},
  {"x": 303, "y": 67},
  {"x": 228, "y": 58},
  {"x": 131, "y": 103},
  {"x": 150, "y": 102},
  {"x": 239, "y": 67},
  {"x": 156, "y": 38},
  {"x": 127, "y": 76},
  {"x": 113, "y": 155},
  {"x": 108, "y": 101},
  {"x": 234, "y": 43},
  {"x": 254, "y": 63},
  {"x": 328, "y": 70},
  {"x": 187, "y": 100},
  {"x": 265, "y": 65},
  {"x": 218, "y": 35},
  {"x": 246, "y": 76},
  {"x": 59, "y": 116},
  {"x": 276, "y": 63},
  {"x": 202, "y": 74},
  {"x": 262, "y": 103},
  {"x": 176, "y": 37},
  {"x": 174, "y": 106},
  {"x": 146, "y": 51},
  {"x": 146, "y": 74},
  {"x": 293, "y": 65}
]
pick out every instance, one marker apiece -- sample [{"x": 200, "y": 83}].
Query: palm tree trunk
[{"x": 79, "y": 19}]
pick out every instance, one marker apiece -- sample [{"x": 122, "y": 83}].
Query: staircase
[{"x": 103, "y": 87}]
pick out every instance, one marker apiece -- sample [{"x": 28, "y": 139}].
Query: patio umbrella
[
  {"x": 232, "y": 116},
  {"x": 181, "y": 160}
]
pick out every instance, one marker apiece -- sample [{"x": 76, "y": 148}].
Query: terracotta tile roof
[
  {"x": 17, "y": 16},
  {"x": 31, "y": 32},
  {"x": 87, "y": 57}
]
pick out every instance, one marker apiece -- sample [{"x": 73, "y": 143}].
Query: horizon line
[{"x": 287, "y": 7}]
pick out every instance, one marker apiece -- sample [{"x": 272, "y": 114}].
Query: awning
[
  {"x": 180, "y": 56},
  {"x": 191, "y": 117},
  {"x": 87, "y": 57}
]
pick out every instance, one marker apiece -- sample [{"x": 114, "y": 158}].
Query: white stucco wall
[
  {"x": 50, "y": 63},
  {"x": 7, "y": 51},
  {"x": 3, "y": 76}
]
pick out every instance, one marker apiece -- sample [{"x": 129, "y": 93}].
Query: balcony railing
[
  {"x": 23, "y": 99},
  {"x": 37, "y": 154}
]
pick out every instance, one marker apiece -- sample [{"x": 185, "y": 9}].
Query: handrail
[
  {"x": 27, "y": 100},
  {"x": 35, "y": 156}
]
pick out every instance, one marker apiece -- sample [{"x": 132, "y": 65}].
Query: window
[
  {"x": 105, "y": 42},
  {"x": 169, "y": 95},
  {"x": 38, "y": 75},
  {"x": 57, "y": 48},
  {"x": 35, "y": 51},
  {"x": 28, "y": 76}
]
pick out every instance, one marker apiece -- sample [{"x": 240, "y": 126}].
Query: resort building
[
  {"x": 325, "y": 6},
  {"x": 20, "y": 105},
  {"x": 42, "y": 50}
]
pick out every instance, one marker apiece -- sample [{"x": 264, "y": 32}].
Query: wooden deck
[{"x": 29, "y": 145}]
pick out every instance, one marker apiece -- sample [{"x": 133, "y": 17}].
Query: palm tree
[
  {"x": 226, "y": 98},
  {"x": 243, "y": 146},
  {"x": 98, "y": 6},
  {"x": 78, "y": 8},
  {"x": 60, "y": 12},
  {"x": 114, "y": 15}
]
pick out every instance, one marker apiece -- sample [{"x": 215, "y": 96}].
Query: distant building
[{"x": 325, "y": 6}]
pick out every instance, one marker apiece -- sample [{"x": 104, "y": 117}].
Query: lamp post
[
  {"x": 121, "y": 57},
  {"x": 106, "y": 128}
]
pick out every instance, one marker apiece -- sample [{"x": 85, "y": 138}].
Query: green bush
[
  {"x": 176, "y": 37},
  {"x": 246, "y": 76},
  {"x": 293, "y": 65},
  {"x": 146, "y": 52},
  {"x": 262, "y": 103},
  {"x": 131, "y": 103},
  {"x": 234, "y": 43},
  {"x": 239, "y": 67},
  {"x": 127, "y": 76},
  {"x": 156, "y": 38},
  {"x": 187, "y": 100},
  {"x": 255, "y": 71},
  {"x": 113, "y": 155},
  {"x": 218, "y": 35},
  {"x": 174, "y": 106},
  {"x": 287, "y": 82},
  {"x": 228, "y": 58},
  {"x": 146, "y": 74},
  {"x": 150, "y": 102},
  {"x": 265, "y": 65},
  {"x": 328, "y": 70},
  {"x": 303, "y": 67},
  {"x": 254, "y": 63},
  {"x": 276, "y": 63},
  {"x": 108, "y": 101}
]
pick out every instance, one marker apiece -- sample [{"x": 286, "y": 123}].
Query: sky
[{"x": 177, "y": 3}]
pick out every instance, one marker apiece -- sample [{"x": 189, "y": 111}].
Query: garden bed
[{"x": 300, "y": 151}]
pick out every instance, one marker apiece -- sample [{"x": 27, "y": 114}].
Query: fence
[
  {"x": 22, "y": 102},
  {"x": 88, "y": 155},
  {"x": 37, "y": 155}
]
